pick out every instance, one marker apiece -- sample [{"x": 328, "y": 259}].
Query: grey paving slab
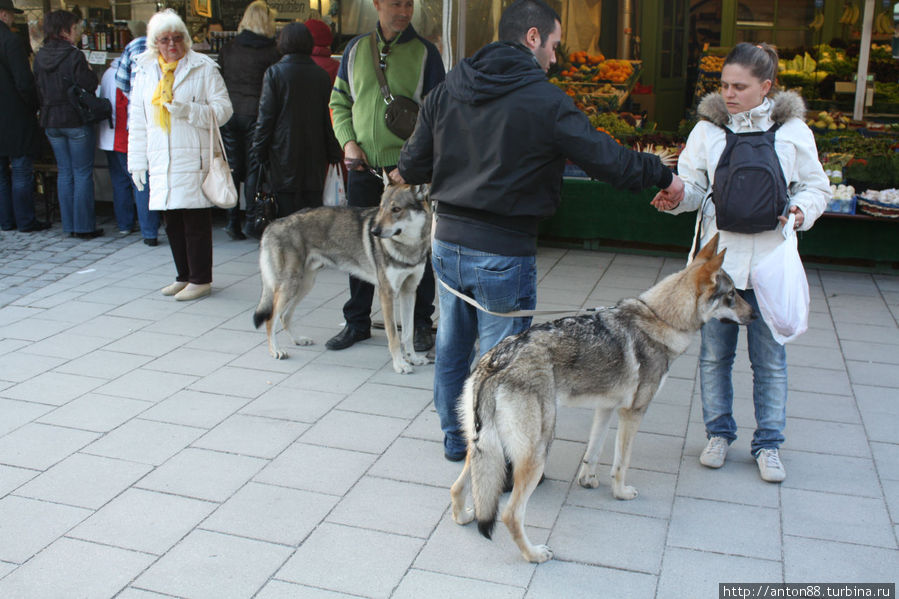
[
  {"x": 826, "y": 437},
  {"x": 145, "y": 521},
  {"x": 39, "y": 446},
  {"x": 147, "y": 385},
  {"x": 189, "y": 361},
  {"x": 29, "y": 525},
  {"x": 844, "y": 518},
  {"x": 11, "y": 478},
  {"x": 104, "y": 364},
  {"x": 564, "y": 580},
  {"x": 252, "y": 436},
  {"x": 355, "y": 431},
  {"x": 240, "y": 382},
  {"x": 737, "y": 481},
  {"x": 144, "y": 441},
  {"x": 867, "y": 333},
  {"x": 655, "y": 494},
  {"x": 73, "y": 568},
  {"x": 690, "y": 573},
  {"x": 292, "y": 404},
  {"x": 826, "y": 561},
  {"x": 75, "y": 311},
  {"x": 830, "y": 473},
  {"x": 213, "y": 565},
  {"x": 322, "y": 561},
  {"x": 111, "y": 327},
  {"x": 386, "y": 400},
  {"x": 279, "y": 589},
  {"x": 752, "y": 531},
  {"x": 877, "y": 408},
  {"x": 67, "y": 345},
  {"x": 203, "y": 474},
  {"x": 148, "y": 343},
  {"x": 420, "y": 583},
  {"x": 19, "y": 367},
  {"x": 54, "y": 388},
  {"x": 95, "y": 412},
  {"x": 18, "y": 413},
  {"x": 821, "y": 406},
  {"x": 313, "y": 468},
  {"x": 331, "y": 378},
  {"x": 84, "y": 481},
  {"x": 271, "y": 513},
  {"x": 418, "y": 461},
  {"x": 195, "y": 408}
]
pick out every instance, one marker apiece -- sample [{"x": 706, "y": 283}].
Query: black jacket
[
  {"x": 18, "y": 98},
  {"x": 57, "y": 64},
  {"x": 493, "y": 139},
  {"x": 244, "y": 61},
  {"x": 294, "y": 136}
]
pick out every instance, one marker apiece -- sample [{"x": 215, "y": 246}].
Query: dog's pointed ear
[
  {"x": 708, "y": 271},
  {"x": 710, "y": 249},
  {"x": 386, "y": 178}
]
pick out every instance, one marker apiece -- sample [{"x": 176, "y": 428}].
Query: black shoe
[
  {"x": 92, "y": 235},
  {"x": 454, "y": 457},
  {"x": 37, "y": 226},
  {"x": 234, "y": 232},
  {"x": 151, "y": 241},
  {"x": 422, "y": 338},
  {"x": 347, "y": 337}
]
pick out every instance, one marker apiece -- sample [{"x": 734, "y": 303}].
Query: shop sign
[{"x": 292, "y": 9}]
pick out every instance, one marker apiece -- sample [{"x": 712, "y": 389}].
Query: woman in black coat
[
  {"x": 244, "y": 61},
  {"x": 294, "y": 137},
  {"x": 57, "y": 66}
]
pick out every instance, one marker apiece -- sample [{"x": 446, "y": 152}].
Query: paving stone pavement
[{"x": 152, "y": 448}]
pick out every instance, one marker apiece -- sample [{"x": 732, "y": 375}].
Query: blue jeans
[
  {"x": 122, "y": 196},
  {"x": 74, "y": 151},
  {"x": 16, "y": 203},
  {"x": 499, "y": 283},
  {"x": 769, "y": 380},
  {"x": 149, "y": 219}
]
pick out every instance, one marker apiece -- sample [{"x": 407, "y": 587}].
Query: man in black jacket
[
  {"x": 20, "y": 141},
  {"x": 493, "y": 140}
]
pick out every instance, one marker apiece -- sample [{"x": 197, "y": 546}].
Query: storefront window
[{"x": 783, "y": 23}]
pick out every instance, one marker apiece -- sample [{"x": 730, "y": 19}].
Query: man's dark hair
[
  {"x": 295, "y": 39},
  {"x": 58, "y": 21},
  {"x": 524, "y": 14}
]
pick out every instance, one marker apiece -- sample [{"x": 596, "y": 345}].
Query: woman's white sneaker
[
  {"x": 714, "y": 453},
  {"x": 770, "y": 467}
]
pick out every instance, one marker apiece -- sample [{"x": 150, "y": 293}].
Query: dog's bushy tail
[
  {"x": 488, "y": 462},
  {"x": 266, "y": 306}
]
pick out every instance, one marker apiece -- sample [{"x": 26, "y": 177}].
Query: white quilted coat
[{"x": 178, "y": 161}]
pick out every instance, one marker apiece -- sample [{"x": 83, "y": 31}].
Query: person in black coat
[
  {"x": 244, "y": 61},
  {"x": 294, "y": 137},
  {"x": 19, "y": 142},
  {"x": 57, "y": 66}
]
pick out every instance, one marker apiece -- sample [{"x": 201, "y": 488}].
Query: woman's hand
[
  {"x": 800, "y": 218},
  {"x": 353, "y": 157},
  {"x": 179, "y": 110}
]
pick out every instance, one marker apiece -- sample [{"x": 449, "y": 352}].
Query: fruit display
[
  {"x": 828, "y": 120},
  {"x": 711, "y": 64},
  {"x": 851, "y": 14},
  {"x": 595, "y": 83}
]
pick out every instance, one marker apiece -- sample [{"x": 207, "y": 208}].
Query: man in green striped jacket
[{"x": 412, "y": 67}]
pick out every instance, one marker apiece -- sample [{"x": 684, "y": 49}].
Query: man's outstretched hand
[{"x": 671, "y": 196}]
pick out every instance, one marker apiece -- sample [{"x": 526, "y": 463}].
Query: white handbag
[{"x": 218, "y": 185}]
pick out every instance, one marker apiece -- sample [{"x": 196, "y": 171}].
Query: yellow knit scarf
[{"x": 163, "y": 93}]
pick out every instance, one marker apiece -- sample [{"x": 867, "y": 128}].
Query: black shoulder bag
[
  {"x": 263, "y": 209},
  {"x": 90, "y": 108},
  {"x": 402, "y": 112}
]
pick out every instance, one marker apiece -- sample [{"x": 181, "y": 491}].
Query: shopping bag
[
  {"x": 781, "y": 288},
  {"x": 334, "y": 193}
]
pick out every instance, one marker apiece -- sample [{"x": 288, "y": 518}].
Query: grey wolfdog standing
[
  {"x": 386, "y": 246},
  {"x": 615, "y": 358}
]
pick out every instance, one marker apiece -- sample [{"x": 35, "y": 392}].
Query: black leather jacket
[
  {"x": 294, "y": 136},
  {"x": 57, "y": 64},
  {"x": 493, "y": 139},
  {"x": 244, "y": 61}
]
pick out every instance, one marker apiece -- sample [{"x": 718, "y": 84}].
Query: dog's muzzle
[{"x": 377, "y": 231}]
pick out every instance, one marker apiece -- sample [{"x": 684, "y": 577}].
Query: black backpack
[{"x": 750, "y": 189}]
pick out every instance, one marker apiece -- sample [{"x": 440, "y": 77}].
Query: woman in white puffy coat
[
  {"x": 746, "y": 104},
  {"x": 175, "y": 95}
]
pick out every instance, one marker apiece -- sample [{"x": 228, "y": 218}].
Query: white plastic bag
[
  {"x": 781, "y": 288},
  {"x": 334, "y": 193}
]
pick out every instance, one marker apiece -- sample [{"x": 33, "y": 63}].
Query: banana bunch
[
  {"x": 818, "y": 22},
  {"x": 850, "y": 14},
  {"x": 883, "y": 22}
]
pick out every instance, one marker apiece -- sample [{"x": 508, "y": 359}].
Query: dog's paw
[
  {"x": 539, "y": 554},
  {"x": 303, "y": 341},
  {"x": 417, "y": 359},
  {"x": 402, "y": 367},
  {"x": 279, "y": 355},
  {"x": 625, "y": 492},
  {"x": 587, "y": 478},
  {"x": 464, "y": 516}
]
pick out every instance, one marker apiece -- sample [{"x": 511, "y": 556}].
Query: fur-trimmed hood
[{"x": 779, "y": 108}]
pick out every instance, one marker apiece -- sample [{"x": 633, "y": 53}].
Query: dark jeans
[
  {"x": 122, "y": 195},
  {"x": 237, "y": 134},
  {"x": 364, "y": 189},
  {"x": 190, "y": 237},
  {"x": 74, "y": 151},
  {"x": 16, "y": 185}
]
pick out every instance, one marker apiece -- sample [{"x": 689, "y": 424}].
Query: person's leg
[
  {"x": 364, "y": 190},
  {"x": 234, "y": 138},
  {"x": 149, "y": 219},
  {"x": 716, "y": 360},
  {"x": 81, "y": 141},
  {"x": 7, "y": 213},
  {"x": 22, "y": 169},
  {"x": 174, "y": 230},
  {"x": 65, "y": 184},
  {"x": 454, "y": 347},
  {"x": 288, "y": 202},
  {"x": 198, "y": 241},
  {"x": 122, "y": 197},
  {"x": 769, "y": 382}
]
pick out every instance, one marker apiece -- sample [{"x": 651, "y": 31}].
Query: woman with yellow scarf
[{"x": 177, "y": 94}]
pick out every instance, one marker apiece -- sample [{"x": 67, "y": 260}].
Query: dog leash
[{"x": 513, "y": 314}]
